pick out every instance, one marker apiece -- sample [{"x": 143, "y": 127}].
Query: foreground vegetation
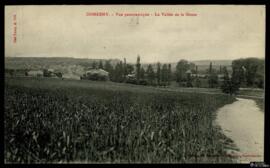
[{"x": 75, "y": 122}]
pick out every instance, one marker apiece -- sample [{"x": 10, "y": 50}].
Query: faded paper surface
[
  {"x": 216, "y": 32},
  {"x": 156, "y": 33}
]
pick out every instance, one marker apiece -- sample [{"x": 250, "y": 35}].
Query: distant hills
[
  {"x": 214, "y": 62},
  {"x": 49, "y": 62},
  {"x": 62, "y": 63},
  {"x": 203, "y": 65}
]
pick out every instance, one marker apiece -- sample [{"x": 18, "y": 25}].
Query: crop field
[{"x": 49, "y": 121}]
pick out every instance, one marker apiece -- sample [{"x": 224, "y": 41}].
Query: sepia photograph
[{"x": 133, "y": 84}]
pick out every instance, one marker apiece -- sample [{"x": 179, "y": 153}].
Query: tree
[
  {"x": 238, "y": 72},
  {"x": 249, "y": 72},
  {"x": 225, "y": 87},
  {"x": 138, "y": 69},
  {"x": 150, "y": 74},
  {"x": 213, "y": 80},
  {"x": 251, "y": 66},
  {"x": 228, "y": 86},
  {"x": 169, "y": 73},
  {"x": 164, "y": 74},
  {"x": 197, "y": 82},
  {"x": 158, "y": 74},
  {"x": 235, "y": 82},
  {"x": 46, "y": 73},
  {"x": 109, "y": 68},
  {"x": 189, "y": 80},
  {"x": 191, "y": 66},
  {"x": 118, "y": 75},
  {"x": 129, "y": 68},
  {"x": 259, "y": 78},
  {"x": 212, "y": 77},
  {"x": 94, "y": 65},
  {"x": 125, "y": 67},
  {"x": 210, "y": 68},
  {"x": 181, "y": 68},
  {"x": 121, "y": 72},
  {"x": 100, "y": 66},
  {"x": 142, "y": 72}
]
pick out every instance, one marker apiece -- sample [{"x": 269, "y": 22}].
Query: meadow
[{"x": 61, "y": 121}]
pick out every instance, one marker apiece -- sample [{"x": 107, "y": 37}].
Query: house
[
  {"x": 35, "y": 73},
  {"x": 220, "y": 76},
  {"x": 188, "y": 72},
  {"x": 193, "y": 75},
  {"x": 131, "y": 76},
  {"x": 51, "y": 70}
]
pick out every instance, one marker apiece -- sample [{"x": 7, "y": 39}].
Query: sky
[{"x": 217, "y": 32}]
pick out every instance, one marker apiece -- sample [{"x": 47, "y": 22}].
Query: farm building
[
  {"x": 51, "y": 70},
  {"x": 220, "y": 76},
  {"x": 188, "y": 72},
  {"x": 131, "y": 76},
  {"x": 96, "y": 74},
  {"x": 35, "y": 73},
  {"x": 194, "y": 75}
]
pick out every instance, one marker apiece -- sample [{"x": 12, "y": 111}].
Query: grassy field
[
  {"x": 52, "y": 120},
  {"x": 256, "y": 94},
  {"x": 251, "y": 92},
  {"x": 260, "y": 104}
]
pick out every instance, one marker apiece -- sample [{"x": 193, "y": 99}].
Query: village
[{"x": 229, "y": 77}]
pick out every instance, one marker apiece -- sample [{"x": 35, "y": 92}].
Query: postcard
[{"x": 134, "y": 84}]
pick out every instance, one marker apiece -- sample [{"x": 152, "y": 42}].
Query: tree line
[
  {"x": 245, "y": 73},
  {"x": 136, "y": 74}
]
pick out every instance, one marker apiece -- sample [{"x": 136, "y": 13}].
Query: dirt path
[{"x": 243, "y": 122}]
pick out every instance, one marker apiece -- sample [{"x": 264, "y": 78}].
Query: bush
[
  {"x": 95, "y": 77},
  {"x": 143, "y": 82},
  {"x": 131, "y": 81}
]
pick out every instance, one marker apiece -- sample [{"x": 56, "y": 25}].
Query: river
[{"x": 243, "y": 122}]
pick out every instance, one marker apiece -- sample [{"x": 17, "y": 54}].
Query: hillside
[
  {"x": 203, "y": 65},
  {"x": 46, "y": 62},
  {"x": 64, "y": 64}
]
